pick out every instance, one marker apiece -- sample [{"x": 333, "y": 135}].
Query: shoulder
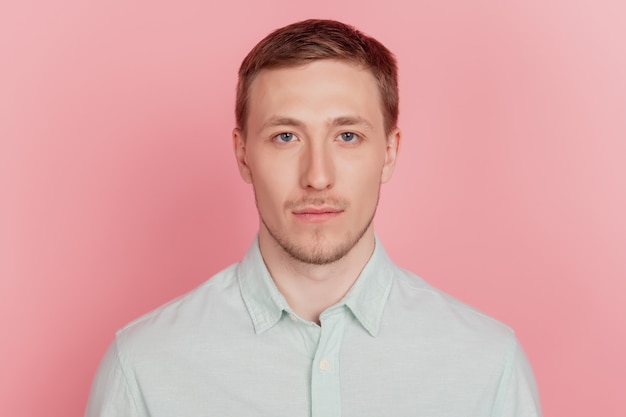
[
  {"x": 419, "y": 305},
  {"x": 215, "y": 301}
]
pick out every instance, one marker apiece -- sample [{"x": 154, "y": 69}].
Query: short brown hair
[{"x": 311, "y": 40}]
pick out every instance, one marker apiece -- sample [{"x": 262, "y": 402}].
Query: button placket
[{"x": 325, "y": 381}]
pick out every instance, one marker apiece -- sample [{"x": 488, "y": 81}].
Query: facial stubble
[{"x": 318, "y": 255}]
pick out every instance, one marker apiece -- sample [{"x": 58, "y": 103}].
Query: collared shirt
[{"x": 394, "y": 346}]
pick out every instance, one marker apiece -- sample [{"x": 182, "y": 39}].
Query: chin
[{"x": 320, "y": 250}]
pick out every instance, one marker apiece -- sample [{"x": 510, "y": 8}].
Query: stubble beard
[{"x": 318, "y": 253}]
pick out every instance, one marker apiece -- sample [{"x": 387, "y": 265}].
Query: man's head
[
  {"x": 315, "y": 137},
  {"x": 311, "y": 40}
]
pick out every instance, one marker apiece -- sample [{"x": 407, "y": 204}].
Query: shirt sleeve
[
  {"x": 517, "y": 394},
  {"x": 110, "y": 394}
]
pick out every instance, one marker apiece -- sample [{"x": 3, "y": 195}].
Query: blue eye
[
  {"x": 348, "y": 136},
  {"x": 285, "y": 137}
]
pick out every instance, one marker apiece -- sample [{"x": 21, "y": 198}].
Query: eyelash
[
  {"x": 355, "y": 136},
  {"x": 277, "y": 137}
]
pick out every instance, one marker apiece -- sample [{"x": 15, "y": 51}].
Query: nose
[{"x": 318, "y": 169}]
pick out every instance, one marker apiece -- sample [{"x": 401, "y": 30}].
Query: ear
[
  {"x": 239, "y": 146},
  {"x": 391, "y": 154}
]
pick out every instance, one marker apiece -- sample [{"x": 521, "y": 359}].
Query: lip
[{"x": 317, "y": 214}]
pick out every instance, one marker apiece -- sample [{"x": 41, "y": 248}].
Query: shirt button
[
  {"x": 293, "y": 317},
  {"x": 324, "y": 365}
]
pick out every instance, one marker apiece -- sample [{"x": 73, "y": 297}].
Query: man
[{"x": 315, "y": 320}]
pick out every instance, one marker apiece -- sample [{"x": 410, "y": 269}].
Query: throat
[
  {"x": 309, "y": 298},
  {"x": 311, "y": 288}
]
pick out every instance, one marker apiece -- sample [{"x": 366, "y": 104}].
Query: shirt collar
[
  {"x": 366, "y": 299},
  {"x": 264, "y": 302},
  {"x": 368, "y": 296}
]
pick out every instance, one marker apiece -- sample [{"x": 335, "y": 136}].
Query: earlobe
[
  {"x": 239, "y": 147},
  {"x": 391, "y": 154}
]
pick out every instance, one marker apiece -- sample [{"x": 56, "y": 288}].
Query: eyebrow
[
  {"x": 336, "y": 122},
  {"x": 282, "y": 121},
  {"x": 350, "y": 121}
]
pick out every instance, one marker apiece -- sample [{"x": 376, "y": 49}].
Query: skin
[{"x": 316, "y": 152}]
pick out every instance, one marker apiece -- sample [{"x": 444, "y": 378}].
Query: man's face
[{"x": 316, "y": 153}]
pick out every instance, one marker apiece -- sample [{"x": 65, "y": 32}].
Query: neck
[{"x": 308, "y": 288}]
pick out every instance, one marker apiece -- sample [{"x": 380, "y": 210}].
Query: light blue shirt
[{"x": 393, "y": 347}]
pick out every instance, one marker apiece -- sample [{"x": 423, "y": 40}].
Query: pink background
[{"x": 119, "y": 190}]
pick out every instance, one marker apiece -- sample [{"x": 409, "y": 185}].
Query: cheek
[
  {"x": 371, "y": 189},
  {"x": 271, "y": 183},
  {"x": 364, "y": 176}
]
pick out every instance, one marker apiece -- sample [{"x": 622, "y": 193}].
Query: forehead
[{"x": 318, "y": 90}]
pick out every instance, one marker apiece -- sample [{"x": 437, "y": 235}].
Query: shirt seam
[
  {"x": 501, "y": 396},
  {"x": 118, "y": 356},
  {"x": 506, "y": 379}
]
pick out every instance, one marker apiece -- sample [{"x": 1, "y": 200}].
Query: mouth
[{"x": 316, "y": 214}]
